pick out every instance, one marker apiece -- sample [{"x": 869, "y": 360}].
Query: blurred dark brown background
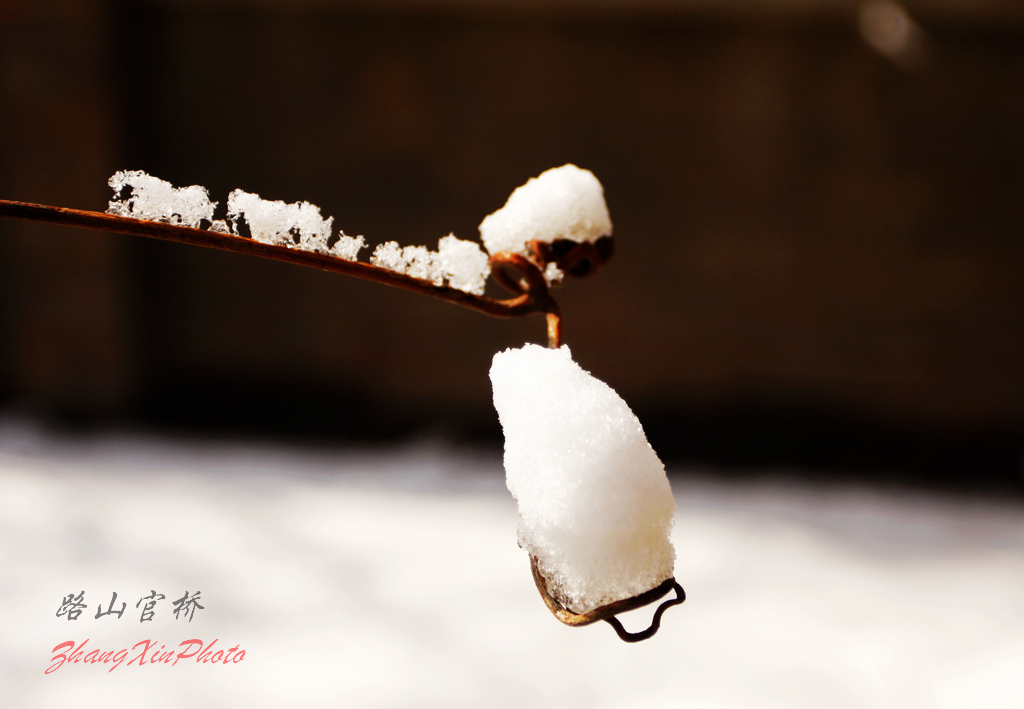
[{"x": 819, "y": 209}]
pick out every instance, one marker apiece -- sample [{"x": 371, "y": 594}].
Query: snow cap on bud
[{"x": 562, "y": 203}]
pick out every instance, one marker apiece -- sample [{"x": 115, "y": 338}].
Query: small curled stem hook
[
  {"x": 521, "y": 276},
  {"x": 608, "y": 612},
  {"x": 655, "y": 622}
]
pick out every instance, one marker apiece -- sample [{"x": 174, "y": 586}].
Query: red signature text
[{"x": 144, "y": 652}]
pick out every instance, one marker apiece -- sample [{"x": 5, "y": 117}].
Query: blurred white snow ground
[{"x": 392, "y": 578}]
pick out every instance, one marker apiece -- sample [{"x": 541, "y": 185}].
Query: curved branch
[{"x": 529, "y": 300}]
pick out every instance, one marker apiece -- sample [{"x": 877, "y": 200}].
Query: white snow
[
  {"x": 388, "y": 578},
  {"x": 562, "y": 203},
  {"x": 462, "y": 264},
  {"x": 553, "y": 274},
  {"x": 275, "y": 222},
  {"x": 143, "y": 196},
  {"x": 297, "y": 225},
  {"x": 594, "y": 502},
  {"x": 346, "y": 247},
  {"x": 415, "y": 261}
]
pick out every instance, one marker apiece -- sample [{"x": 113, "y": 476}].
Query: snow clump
[
  {"x": 595, "y": 506},
  {"x": 461, "y": 264},
  {"x": 562, "y": 203},
  {"x": 143, "y": 196},
  {"x": 297, "y": 225}
]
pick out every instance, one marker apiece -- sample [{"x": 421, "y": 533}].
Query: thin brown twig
[{"x": 532, "y": 295}]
